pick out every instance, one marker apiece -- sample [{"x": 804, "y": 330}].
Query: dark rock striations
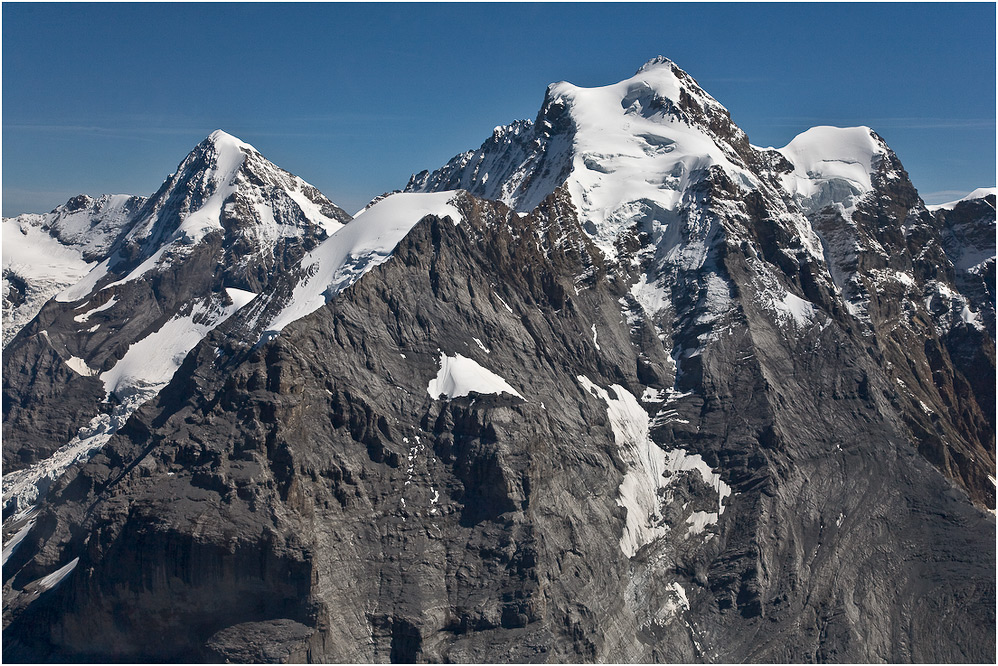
[{"x": 729, "y": 408}]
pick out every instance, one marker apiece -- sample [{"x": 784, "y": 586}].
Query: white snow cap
[
  {"x": 228, "y": 159},
  {"x": 832, "y": 165},
  {"x": 227, "y": 143},
  {"x": 631, "y": 152}
]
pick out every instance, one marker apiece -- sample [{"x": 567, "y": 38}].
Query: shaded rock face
[
  {"x": 968, "y": 238},
  {"x": 313, "y": 482},
  {"x": 895, "y": 266},
  {"x": 752, "y": 431}
]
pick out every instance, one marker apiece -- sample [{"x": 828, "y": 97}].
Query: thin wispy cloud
[
  {"x": 944, "y": 196},
  {"x": 122, "y": 132},
  {"x": 892, "y": 123},
  {"x": 733, "y": 79},
  {"x": 143, "y": 133}
]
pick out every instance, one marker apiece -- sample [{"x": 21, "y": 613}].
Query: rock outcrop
[{"x": 725, "y": 410}]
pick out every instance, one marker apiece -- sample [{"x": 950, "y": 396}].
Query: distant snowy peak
[
  {"x": 834, "y": 165},
  {"x": 979, "y": 193},
  {"x": 226, "y": 187},
  {"x": 88, "y": 224},
  {"x": 210, "y": 181},
  {"x": 44, "y": 254}
]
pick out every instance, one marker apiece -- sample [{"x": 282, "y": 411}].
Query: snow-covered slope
[
  {"x": 356, "y": 248},
  {"x": 36, "y": 267},
  {"x": 635, "y": 148},
  {"x": 44, "y": 254},
  {"x": 633, "y": 156},
  {"x": 833, "y": 165}
]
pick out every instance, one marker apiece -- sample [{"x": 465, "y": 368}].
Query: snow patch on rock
[
  {"x": 56, "y": 577},
  {"x": 81, "y": 318},
  {"x": 650, "y": 470},
  {"x": 15, "y": 541},
  {"x": 459, "y": 376},
  {"x": 80, "y": 367}
]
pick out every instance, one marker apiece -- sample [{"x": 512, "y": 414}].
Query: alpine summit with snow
[{"x": 617, "y": 386}]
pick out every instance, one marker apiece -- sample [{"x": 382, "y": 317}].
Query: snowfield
[
  {"x": 356, "y": 248},
  {"x": 832, "y": 165}
]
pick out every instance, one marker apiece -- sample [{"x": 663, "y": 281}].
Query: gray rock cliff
[{"x": 719, "y": 419}]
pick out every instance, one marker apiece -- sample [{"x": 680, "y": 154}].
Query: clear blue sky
[{"x": 355, "y": 98}]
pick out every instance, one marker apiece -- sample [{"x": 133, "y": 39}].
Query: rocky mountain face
[
  {"x": 164, "y": 272},
  {"x": 618, "y": 386}
]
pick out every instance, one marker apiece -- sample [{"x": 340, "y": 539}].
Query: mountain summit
[
  {"x": 661, "y": 179},
  {"x": 616, "y": 386},
  {"x": 144, "y": 280}
]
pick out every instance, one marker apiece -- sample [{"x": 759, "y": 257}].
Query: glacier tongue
[{"x": 145, "y": 369}]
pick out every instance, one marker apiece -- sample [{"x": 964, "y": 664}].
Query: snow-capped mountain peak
[
  {"x": 635, "y": 144},
  {"x": 225, "y": 141},
  {"x": 641, "y": 143},
  {"x": 224, "y": 186},
  {"x": 171, "y": 269},
  {"x": 208, "y": 177},
  {"x": 833, "y": 165}
]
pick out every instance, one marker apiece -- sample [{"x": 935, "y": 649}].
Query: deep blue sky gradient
[{"x": 356, "y": 97}]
